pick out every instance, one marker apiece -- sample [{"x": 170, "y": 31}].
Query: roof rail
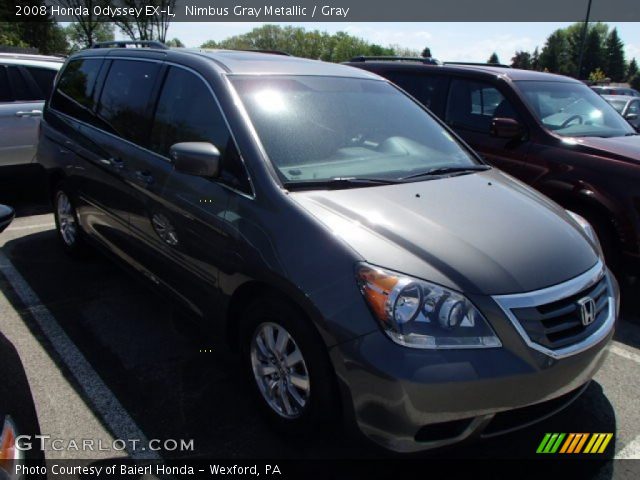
[
  {"x": 272, "y": 52},
  {"x": 31, "y": 56},
  {"x": 125, "y": 43},
  {"x": 425, "y": 60},
  {"x": 479, "y": 64}
]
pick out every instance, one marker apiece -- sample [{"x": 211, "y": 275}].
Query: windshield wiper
[
  {"x": 631, "y": 134},
  {"x": 338, "y": 182},
  {"x": 446, "y": 170}
]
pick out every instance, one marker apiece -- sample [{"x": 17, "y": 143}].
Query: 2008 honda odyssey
[{"x": 361, "y": 258}]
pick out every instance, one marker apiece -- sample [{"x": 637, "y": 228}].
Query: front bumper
[{"x": 411, "y": 399}]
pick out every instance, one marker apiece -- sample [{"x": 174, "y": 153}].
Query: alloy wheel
[{"x": 280, "y": 370}]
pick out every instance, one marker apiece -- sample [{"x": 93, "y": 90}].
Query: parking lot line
[
  {"x": 631, "y": 451},
  {"x": 623, "y": 352},
  {"x": 108, "y": 407},
  {"x": 31, "y": 227}
]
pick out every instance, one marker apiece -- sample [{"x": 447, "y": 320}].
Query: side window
[
  {"x": 5, "y": 90},
  {"x": 74, "y": 92},
  {"x": 188, "y": 112},
  {"x": 20, "y": 85},
  {"x": 430, "y": 90},
  {"x": 474, "y": 104},
  {"x": 124, "y": 102},
  {"x": 634, "y": 107},
  {"x": 44, "y": 79}
]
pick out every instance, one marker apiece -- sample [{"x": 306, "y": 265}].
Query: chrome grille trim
[{"x": 559, "y": 292}]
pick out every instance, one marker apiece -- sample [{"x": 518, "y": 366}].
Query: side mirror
[
  {"x": 6, "y": 216},
  {"x": 631, "y": 116},
  {"x": 200, "y": 159},
  {"x": 506, "y": 128}
]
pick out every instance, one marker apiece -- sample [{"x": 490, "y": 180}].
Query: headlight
[
  {"x": 588, "y": 229},
  {"x": 419, "y": 314}
]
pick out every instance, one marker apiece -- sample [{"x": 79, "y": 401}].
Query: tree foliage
[
  {"x": 614, "y": 57},
  {"x": 297, "y": 41},
  {"x": 80, "y": 38},
  {"x": 41, "y": 33},
  {"x": 426, "y": 53},
  {"x": 522, "y": 60},
  {"x": 494, "y": 58},
  {"x": 632, "y": 69},
  {"x": 145, "y": 27}
]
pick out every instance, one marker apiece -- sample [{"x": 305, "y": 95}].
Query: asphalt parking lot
[{"x": 108, "y": 358}]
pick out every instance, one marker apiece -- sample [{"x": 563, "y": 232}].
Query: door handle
[
  {"x": 144, "y": 177},
  {"x": 113, "y": 162},
  {"x": 32, "y": 113}
]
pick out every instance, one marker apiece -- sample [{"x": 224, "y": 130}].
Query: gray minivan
[{"x": 366, "y": 264}]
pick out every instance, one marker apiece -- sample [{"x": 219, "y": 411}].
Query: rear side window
[
  {"x": 74, "y": 91},
  {"x": 473, "y": 105},
  {"x": 20, "y": 86},
  {"x": 188, "y": 112},
  {"x": 5, "y": 89},
  {"x": 44, "y": 80},
  {"x": 124, "y": 103},
  {"x": 430, "y": 90},
  {"x": 634, "y": 107}
]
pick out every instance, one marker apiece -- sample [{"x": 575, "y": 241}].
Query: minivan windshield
[
  {"x": 573, "y": 109},
  {"x": 318, "y": 129}
]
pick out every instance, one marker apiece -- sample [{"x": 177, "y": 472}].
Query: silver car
[
  {"x": 627, "y": 106},
  {"x": 25, "y": 83}
]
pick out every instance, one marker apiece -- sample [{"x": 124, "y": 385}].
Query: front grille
[{"x": 559, "y": 324}]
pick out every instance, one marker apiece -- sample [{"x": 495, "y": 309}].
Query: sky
[{"x": 473, "y": 42}]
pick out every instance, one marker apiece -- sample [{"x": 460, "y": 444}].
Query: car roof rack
[
  {"x": 125, "y": 43},
  {"x": 479, "y": 64},
  {"x": 390, "y": 58}
]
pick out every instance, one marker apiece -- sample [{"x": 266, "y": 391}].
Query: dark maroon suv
[{"x": 550, "y": 131}]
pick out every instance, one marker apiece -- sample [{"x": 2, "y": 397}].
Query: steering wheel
[{"x": 566, "y": 123}]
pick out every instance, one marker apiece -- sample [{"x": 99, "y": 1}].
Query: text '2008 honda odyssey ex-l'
[{"x": 361, "y": 258}]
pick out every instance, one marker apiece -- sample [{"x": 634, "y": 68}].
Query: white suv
[{"x": 25, "y": 83}]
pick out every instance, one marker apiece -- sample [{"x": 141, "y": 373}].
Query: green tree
[
  {"x": 494, "y": 58},
  {"x": 632, "y": 68},
  {"x": 535, "y": 59},
  {"x": 426, "y": 53},
  {"x": 174, "y": 42},
  {"x": 522, "y": 60},
  {"x": 79, "y": 38},
  {"x": 635, "y": 81},
  {"x": 555, "y": 55},
  {"x": 614, "y": 55},
  {"x": 594, "y": 52},
  {"x": 302, "y": 43}
]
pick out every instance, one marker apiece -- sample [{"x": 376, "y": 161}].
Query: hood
[
  {"x": 479, "y": 233},
  {"x": 621, "y": 147}
]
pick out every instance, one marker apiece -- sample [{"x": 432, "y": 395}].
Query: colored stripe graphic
[{"x": 574, "y": 443}]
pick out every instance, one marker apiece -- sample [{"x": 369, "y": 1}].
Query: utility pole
[{"x": 583, "y": 39}]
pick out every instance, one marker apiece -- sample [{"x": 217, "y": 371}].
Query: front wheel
[{"x": 288, "y": 366}]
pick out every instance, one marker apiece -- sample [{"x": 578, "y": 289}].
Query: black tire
[
  {"x": 74, "y": 245},
  {"x": 322, "y": 402}
]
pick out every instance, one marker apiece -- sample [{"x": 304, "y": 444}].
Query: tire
[
  {"x": 68, "y": 227},
  {"x": 302, "y": 374}
]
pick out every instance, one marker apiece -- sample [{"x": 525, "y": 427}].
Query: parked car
[
  {"x": 6, "y": 216},
  {"x": 627, "y": 106},
  {"x": 25, "y": 83},
  {"x": 550, "y": 131},
  {"x": 366, "y": 264},
  {"x": 608, "y": 90}
]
